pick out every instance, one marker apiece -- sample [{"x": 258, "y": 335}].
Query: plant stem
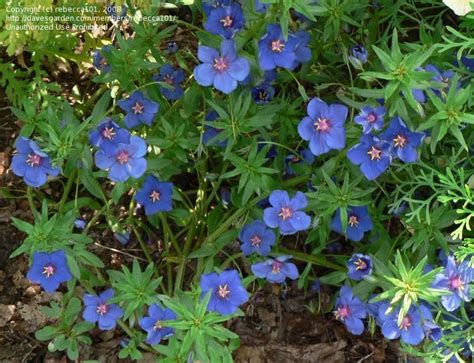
[{"x": 313, "y": 259}]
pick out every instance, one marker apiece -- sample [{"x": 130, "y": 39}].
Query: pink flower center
[
  {"x": 353, "y": 221},
  {"x": 122, "y": 157},
  {"x": 220, "y": 64},
  {"x": 223, "y": 291},
  {"x": 342, "y": 312},
  {"x": 255, "y": 241},
  {"x": 227, "y": 22},
  {"x": 322, "y": 124},
  {"x": 371, "y": 117},
  {"x": 155, "y": 196},
  {"x": 138, "y": 108},
  {"x": 278, "y": 46},
  {"x": 276, "y": 267},
  {"x": 33, "y": 160},
  {"x": 102, "y": 309},
  {"x": 406, "y": 323},
  {"x": 157, "y": 325},
  {"x": 400, "y": 141},
  {"x": 48, "y": 271},
  {"x": 456, "y": 283},
  {"x": 108, "y": 133},
  {"x": 285, "y": 213},
  {"x": 168, "y": 79},
  {"x": 374, "y": 153},
  {"x": 360, "y": 264}
]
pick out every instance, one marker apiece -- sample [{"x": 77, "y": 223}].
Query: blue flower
[
  {"x": 304, "y": 156},
  {"x": 276, "y": 270},
  {"x": 221, "y": 70},
  {"x": 256, "y": 237},
  {"x": 172, "y": 77},
  {"x": 172, "y": 47},
  {"x": 209, "y": 5},
  {"x": 108, "y": 132},
  {"x": 350, "y": 310},
  {"x": 210, "y": 133},
  {"x": 370, "y": 118},
  {"x": 122, "y": 237},
  {"x": 99, "y": 61},
  {"x": 49, "y": 270},
  {"x": 139, "y": 109},
  {"x": 324, "y": 127},
  {"x": 404, "y": 143},
  {"x": 444, "y": 78},
  {"x": 410, "y": 328},
  {"x": 79, "y": 223},
  {"x": 358, "y": 222},
  {"x": 123, "y": 160},
  {"x": 155, "y": 196},
  {"x": 358, "y": 56},
  {"x": 455, "y": 279},
  {"x": 432, "y": 331},
  {"x": 359, "y": 266},
  {"x": 98, "y": 310},
  {"x": 302, "y": 52},
  {"x": 153, "y": 324},
  {"x": 225, "y": 21},
  {"x": 373, "y": 309},
  {"x": 274, "y": 51},
  {"x": 32, "y": 163},
  {"x": 263, "y": 93},
  {"x": 285, "y": 214},
  {"x": 227, "y": 291},
  {"x": 261, "y": 7},
  {"x": 372, "y": 155}
]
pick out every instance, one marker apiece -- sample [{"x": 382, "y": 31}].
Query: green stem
[
  {"x": 29, "y": 195},
  {"x": 142, "y": 245},
  {"x": 320, "y": 261},
  {"x": 168, "y": 232},
  {"x": 67, "y": 189}
]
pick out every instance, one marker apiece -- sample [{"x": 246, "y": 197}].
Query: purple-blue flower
[
  {"x": 227, "y": 291},
  {"x": 404, "y": 143},
  {"x": 304, "y": 156},
  {"x": 371, "y": 118},
  {"x": 49, "y": 270},
  {"x": 302, "y": 52},
  {"x": 32, "y": 163},
  {"x": 123, "y": 160},
  {"x": 209, "y": 5},
  {"x": 432, "y": 331},
  {"x": 410, "y": 328},
  {"x": 276, "y": 270},
  {"x": 261, "y": 7},
  {"x": 155, "y": 196},
  {"x": 98, "y": 310},
  {"x": 324, "y": 126},
  {"x": 155, "y": 324},
  {"x": 358, "y": 56},
  {"x": 172, "y": 77},
  {"x": 225, "y": 20},
  {"x": 139, "y": 109},
  {"x": 263, "y": 93},
  {"x": 358, "y": 222},
  {"x": 256, "y": 237},
  {"x": 99, "y": 61},
  {"x": 108, "y": 132},
  {"x": 285, "y": 212},
  {"x": 79, "y": 223},
  {"x": 350, "y": 310},
  {"x": 455, "y": 279},
  {"x": 372, "y": 154},
  {"x": 444, "y": 78},
  {"x": 210, "y": 133},
  {"x": 359, "y": 266},
  {"x": 221, "y": 70},
  {"x": 274, "y": 51}
]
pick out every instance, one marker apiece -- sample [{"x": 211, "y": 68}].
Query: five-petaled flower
[
  {"x": 227, "y": 291},
  {"x": 372, "y": 154},
  {"x": 98, "y": 310},
  {"x": 324, "y": 126},
  {"x": 302, "y": 52},
  {"x": 285, "y": 212},
  {"x": 155, "y": 196},
  {"x": 350, "y": 310},
  {"x": 274, "y": 51},
  {"x": 276, "y": 270},
  {"x": 139, "y": 109},
  {"x": 49, "y": 270},
  {"x": 358, "y": 222},
  {"x": 359, "y": 266},
  {"x": 123, "y": 160},
  {"x": 225, "y": 20},
  {"x": 32, "y": 163},
  {"x": 99, "y": 61},
  {"x": 221, "y": 70},
  {"x": 404, "y": 143},
  {"x": 256, "y": 237},
  {"x": 409, "y": 328},
  {"x": 173, "y": 78},
  {"x": 456, "y": 280},
  {"x": 108, "y": 132},
  {"x": 371, "y": 118},
  {"x": 155, "y": 324},
  {"x": 263, "y": 93}
]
